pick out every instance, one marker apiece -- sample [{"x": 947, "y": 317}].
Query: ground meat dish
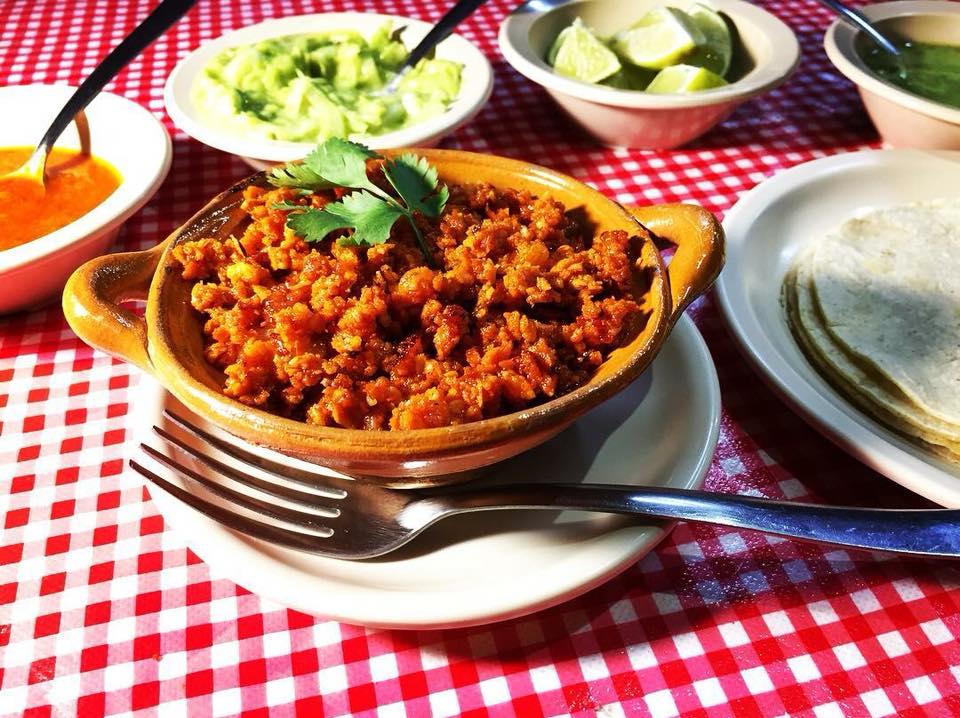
[{"x": 523, "y": 306}]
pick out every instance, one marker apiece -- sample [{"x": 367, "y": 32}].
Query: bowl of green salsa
[
  {"x": 914, "y": 101},
  {"x": 271, "y": 91}
]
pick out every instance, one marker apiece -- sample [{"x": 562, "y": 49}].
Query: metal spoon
[
  {"x": 438, "y": 33},
  {"x": 156, "y": 23},
  {"x": 861, "y": 22}
]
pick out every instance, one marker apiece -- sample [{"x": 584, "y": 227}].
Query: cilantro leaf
[
  {"x": 314, "y": 224},
  {"x": 371, "y": 219},
  {"x": 433, "y": 205},
  {"x": 288, "y": 205},
  {"x": 299, "y": 176},
  {"x": 371, "y": 212},
  {"x": 334, "y": 163},
  {"x": 343, "y": 163},
  {"x": 416, "y": 182}
]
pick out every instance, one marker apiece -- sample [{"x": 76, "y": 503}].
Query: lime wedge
[
  {"x": 717, "y": 49},
  {"x": 682, "y": 79},
  {"x": 659, "y": 39},
  {"x": 580, "y": 54},
  {"x": 630, "y": 77},
  {"x": 559, "y": 40}
]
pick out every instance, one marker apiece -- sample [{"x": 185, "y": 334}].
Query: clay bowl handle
[
  {"x": 91, "y": 303},
  {"x": 700, "y": 248}
]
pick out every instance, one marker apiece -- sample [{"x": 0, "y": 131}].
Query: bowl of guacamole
[
  {"x": 913, "y": 101},
  {"x": 271, "y": 91}
]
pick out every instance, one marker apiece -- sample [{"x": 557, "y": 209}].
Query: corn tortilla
[{"x": 887, "y": 286}]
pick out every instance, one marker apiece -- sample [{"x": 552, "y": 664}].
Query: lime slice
[
  {"x": 579, "y": 54},
  {"x": 659, "y": 39},
  {"x": 558, "y": 42},
  {"x": 717, "y": 49},
  {"x": 682, "y": 79},
  {"x": 630, "y": 77}
]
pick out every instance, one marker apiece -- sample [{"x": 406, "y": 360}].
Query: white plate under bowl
[
  {"x": 765, "y": 230},
  {"x": 491, "y": 566},
  {"x": 475, "y": 87}
]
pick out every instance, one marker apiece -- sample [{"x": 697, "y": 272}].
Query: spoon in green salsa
[{"x": 860, "y": 21}]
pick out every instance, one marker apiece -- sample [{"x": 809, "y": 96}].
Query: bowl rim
[
  {"x": 447, "y": 440},
  {"x": 839, "y": 39},
  {"x": 116, "y": 208},
  {"x": 785, "y": 55},
  {"x": 467, "y": 105}
]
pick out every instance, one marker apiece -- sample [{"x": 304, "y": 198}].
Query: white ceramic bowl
[
  {"x": 476, "y": 85},
  {"x": 902, "y": 118},
  {"x": 623, "y": 118},
  {"x": 121, "y": 132}
]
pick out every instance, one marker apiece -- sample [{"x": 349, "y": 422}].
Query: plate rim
[
  {"x": 828, "y": 411},
  {"x": 691, "y": 343}
]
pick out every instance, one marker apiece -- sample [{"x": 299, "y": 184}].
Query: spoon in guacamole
[{"x": 438, "y": 33}]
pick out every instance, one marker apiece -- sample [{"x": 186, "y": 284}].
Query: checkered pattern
[{"x": 104, "y": 611}]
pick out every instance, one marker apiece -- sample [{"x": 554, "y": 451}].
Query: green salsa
[
  {"x": 930, "y": 71},
  {"x": 307, "y": 88}
]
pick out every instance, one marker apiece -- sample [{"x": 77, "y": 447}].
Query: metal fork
[{"x": 349, "y": 519}]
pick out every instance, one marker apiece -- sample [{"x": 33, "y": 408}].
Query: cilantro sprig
[{"x": 369, "y": 211}]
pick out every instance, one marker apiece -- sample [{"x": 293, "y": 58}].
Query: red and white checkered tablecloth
[{"x": 103, "y": 610}]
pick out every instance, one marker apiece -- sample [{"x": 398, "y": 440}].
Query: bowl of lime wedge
[{"x": 648, "y": 74}]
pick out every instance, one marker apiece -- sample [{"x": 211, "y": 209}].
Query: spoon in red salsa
[{"x": 156, "y": 23}]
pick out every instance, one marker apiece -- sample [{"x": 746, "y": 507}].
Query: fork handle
[{"x": 920, "y": 532}]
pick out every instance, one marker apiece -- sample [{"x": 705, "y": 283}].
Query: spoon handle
[
  {"x": 156, "y": 23},
  {"x": 438, "y": 33}
]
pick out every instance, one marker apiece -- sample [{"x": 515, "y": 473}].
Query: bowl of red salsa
[{"x": 98, "y": 175}]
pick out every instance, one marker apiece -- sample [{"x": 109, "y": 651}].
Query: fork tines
[{"x": 308, "y": 506}]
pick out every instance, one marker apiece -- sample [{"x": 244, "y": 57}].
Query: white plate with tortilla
[{"x": 766, "y": 231}]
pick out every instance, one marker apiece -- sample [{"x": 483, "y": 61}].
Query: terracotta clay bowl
[{"x": 168, "y": 342}]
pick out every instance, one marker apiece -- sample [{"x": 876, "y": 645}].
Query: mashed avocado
[{"x": 306, "y": 88}]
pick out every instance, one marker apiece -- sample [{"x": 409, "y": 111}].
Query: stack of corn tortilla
[{"x": 875, "y": 306}]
